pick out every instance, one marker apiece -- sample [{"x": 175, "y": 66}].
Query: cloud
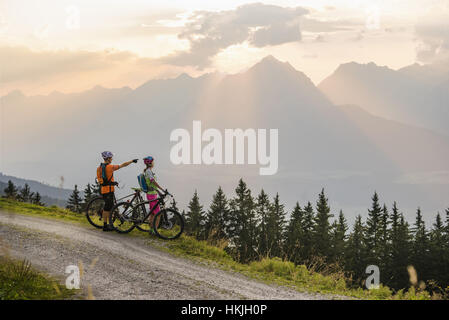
[
  {"x": 320, "y": 38},
  {"x": 358, "y": 37},
  {"x": 310, "y": 56},
  {"x": 259, "y": 24},
  {"x": 433, "y": 39},
  {"x": 275, "y": 34},
  {"x": 315, "y": 25},
  {"x": 20, "y": 63},
  {"x": 69, "y": 71},
  {"x": 431, "y": 177},
  {"x": 204, "y": 33},
  {"x": 169, "y": 21}
]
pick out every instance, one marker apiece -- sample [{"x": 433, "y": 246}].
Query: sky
[{"x": 70, "y": 46}]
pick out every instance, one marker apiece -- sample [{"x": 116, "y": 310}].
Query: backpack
[
  {"x": 106, "y": 182},
  {"x": 142, "y": 182}
]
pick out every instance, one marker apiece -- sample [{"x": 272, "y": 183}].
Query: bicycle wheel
[
  {"x": 122, "y": 219},
  {"x": 140, "y": 211},
  {"x": 168, "y": 224},
  {"x": 144, "y": 226},
  {"x": 94, "y": 212}
]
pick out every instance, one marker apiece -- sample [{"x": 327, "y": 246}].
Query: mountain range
[
  {"x": 50, "y": 195},
  {"x": 416, "y": 94},
  {"x": 325, "y": 139}
]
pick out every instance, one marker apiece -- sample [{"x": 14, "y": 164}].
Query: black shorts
[{"x": 109, "y": 201}]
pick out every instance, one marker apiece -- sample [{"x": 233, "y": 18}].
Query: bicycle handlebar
[{"x": 165, "y": 193}]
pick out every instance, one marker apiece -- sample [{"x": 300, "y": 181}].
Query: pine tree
[
  {"x": 355, "y": 255},
  {"x": 275, "y": 228},
  {"x": 217, "y": 216},
  {"x": 338, "y": 238},
  {"x": 75, "y": 202},
  {"x": 446, "y": 231},
  {"x": 11, "y": 190},
  {"x": 25, "y": 193},
  {"x": 306, "y": 251},
  {"x": 384, "y": 239},
  {"x": 96, "y": 188},
  {"x": 401, "y": 251},
  {"x": 438, "y": 258},
  {"x": 445, "y": 276},
  {"x": 447, "y": 223},
  {"x": 194, "y": 218},
  {"x": 420, "y": 246},
  {"x": 242, "y": 225},
  {"x": 322, "y": 241},
  {"x": 373, "y": 232},
  {"x": 174, "y": 205},
  {"x": 88, "y": 193},
  {"x": 263, "y": 207},
  {"x": 293, "y": 236},
  {"x": 37, "y": 199},
  {"x": 394, "y": 248}
]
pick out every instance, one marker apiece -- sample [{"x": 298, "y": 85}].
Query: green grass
[
  {"x": 46, "y": 212},
  {"x": 19, "y": 281},
  {"x": 268, "y": 270},
  {"x": 277, "y": 271}
]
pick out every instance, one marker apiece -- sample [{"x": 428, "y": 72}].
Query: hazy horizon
[{"x": 198, "y": 76}]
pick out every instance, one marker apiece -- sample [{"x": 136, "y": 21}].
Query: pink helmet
[{"x": 148, "y": 160}]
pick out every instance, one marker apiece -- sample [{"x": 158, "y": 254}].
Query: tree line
[
  {"x": 78, "y": 203},
  {"x": 22, "y": 194},
  {"x": 75, "y": 203},
  {"x": 257, "y": 227}
]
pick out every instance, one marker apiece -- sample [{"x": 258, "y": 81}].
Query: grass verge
[
  {"x": 19, "y": 281},
  {"x": 286, "y": 273},
  {"x": 268, "y": 270}
]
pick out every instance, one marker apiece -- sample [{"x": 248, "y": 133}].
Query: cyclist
[
  {"x": 105, "y": 176},
  {"x": 153, "y": 186}
]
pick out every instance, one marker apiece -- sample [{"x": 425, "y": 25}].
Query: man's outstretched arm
[{"x": 127, "y": 163}]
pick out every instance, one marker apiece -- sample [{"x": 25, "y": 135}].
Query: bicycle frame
[
  {"x": 135, "y": 195},
  {"x": 160, "y": 203}
]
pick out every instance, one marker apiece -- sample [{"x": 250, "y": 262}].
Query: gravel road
[{"x": 119, "y": 266}]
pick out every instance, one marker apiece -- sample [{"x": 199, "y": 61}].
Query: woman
[{"x": 153, "y": 186}]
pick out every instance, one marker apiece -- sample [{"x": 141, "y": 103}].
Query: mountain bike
[
  {"x": 168, "y": 224},
  {"x": 122, "y": 213},
  {"x": 94, "y": 210}
]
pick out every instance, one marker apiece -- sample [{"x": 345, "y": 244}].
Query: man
[{"x": 105, "y": 176}]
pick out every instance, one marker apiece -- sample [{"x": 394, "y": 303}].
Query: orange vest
[{"x": 110, "y": 168}]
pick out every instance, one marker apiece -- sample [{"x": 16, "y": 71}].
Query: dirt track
[{"x": 123, "y": 267}]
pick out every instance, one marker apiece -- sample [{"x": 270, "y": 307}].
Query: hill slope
[
  {"x": 415, "y": 94},
  {"x": 151, "y": 273},
  {"x": 50, "y": 195}
]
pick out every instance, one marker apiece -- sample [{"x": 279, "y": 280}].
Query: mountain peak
[
  {"x": 355, "y": 66},
  {"x": 271, "y": 66},
  {"x": 184, "y": 76},
  {"x": 15, "y": 94},
  {"x": 271, "y": 62},
  {"x": 270, "y": 58}
]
